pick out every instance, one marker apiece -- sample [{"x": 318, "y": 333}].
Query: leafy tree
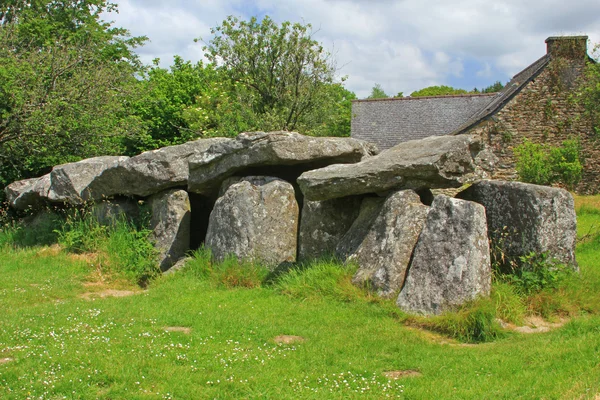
[
  {"x": 400, "y": 94},
  {"x": 280, "y": 70},
  {"x": 437, "y": 91},
  {"x": 66, "y": 80},
  {"x": 167, "y": 93},
  {"x": 493, "y": 88},
  {"x": 377, "y": 93}
]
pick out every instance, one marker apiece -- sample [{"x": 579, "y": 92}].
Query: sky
[{"x": 402, "y": 45}]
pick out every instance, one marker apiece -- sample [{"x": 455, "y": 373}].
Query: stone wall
[{"x": 545, "y": 111}]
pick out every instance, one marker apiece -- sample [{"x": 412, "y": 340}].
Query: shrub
[
  {"x": 535, "y": 272},
  {"x": 544, "y": 165}
]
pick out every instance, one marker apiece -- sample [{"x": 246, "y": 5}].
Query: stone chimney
[{"x": 573, "y": 47}]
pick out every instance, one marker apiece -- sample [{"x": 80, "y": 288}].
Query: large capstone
[
  {"x": 282, "y": 154},
  {"x": 451, "y": 261},
  {"x": 28, "y": 193},
  {"x": 382, "y": 241},
  {"x": 435, "y": 162},
  {"x": 170, "y": 224},
  {"x": 152, "y": 171},
  {"x": 323, "y": 224},
  {"x": 70, "y": 183},
  {"x": 524, "y": 218},
  {"x": 256, "y": 219}
]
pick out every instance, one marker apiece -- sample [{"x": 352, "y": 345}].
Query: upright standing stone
[
  {"x": 170, "y": 224},
  {"x": 451, "y": 262},
  {"x": 382, "y": 241},
  {"x": 323, "y": 224},
  {"x": 256, "y": 218},
  {"x": 524, "y": 218}
]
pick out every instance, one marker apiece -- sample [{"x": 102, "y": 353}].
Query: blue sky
[{"x": 403, "y": 45}]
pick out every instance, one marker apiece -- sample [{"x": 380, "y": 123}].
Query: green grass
[{"x": 62, "y": 345}]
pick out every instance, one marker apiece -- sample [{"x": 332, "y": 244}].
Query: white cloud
[{"x": 403, "y": 45}]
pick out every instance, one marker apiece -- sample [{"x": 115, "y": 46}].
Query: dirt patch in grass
[
  {"x": 182, "y": 329},
  {"x": 402, "y": 374},
  {"x": 107, "y": 293},
  {"x": 535, "y": 324},
  {"x": 5, "y": 360},
  {"x": 438, "y": 337},
  {"x": 288, "y": 339}
]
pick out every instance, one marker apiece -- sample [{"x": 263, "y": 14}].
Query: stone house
[{"x": 537, "y": 104}]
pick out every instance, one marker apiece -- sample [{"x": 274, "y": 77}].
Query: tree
[
  {"x": 493, "y": 88},
  {"x": 66, "y": 80},
  {"x": 437, "y": 91},
  {"x": 377, "y": 93},
  {"x": 282, "y": 71}
]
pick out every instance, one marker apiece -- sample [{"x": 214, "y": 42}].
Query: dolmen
[{"x": 281, "y": 197}]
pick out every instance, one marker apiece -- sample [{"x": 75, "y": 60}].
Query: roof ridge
[{"x": 428, "y": 97}]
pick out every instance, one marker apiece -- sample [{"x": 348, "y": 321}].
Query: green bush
[
  {"x": 536, "y": 272},
  {"x": 544, "y": 165}
]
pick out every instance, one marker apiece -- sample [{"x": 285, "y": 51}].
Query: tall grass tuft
[
  {"x": 320, "y": 278},
  {"x": 474, "y": 322},
  {"x": 33, "y": 230},
  {"x": 124, "y": 245},
  {"x": 230, "y": 273}
]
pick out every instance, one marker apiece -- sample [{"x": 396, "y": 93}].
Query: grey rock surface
[
  {"x": 170, "y": 224},
  {"x": 434, "y": 162},
  {"x": 70, "y": 183},
  {"x": 28, "y": 193},
  {"x": 152, "y": 171},
  {"x": 383, "y": 246},
  {"x": 274, "y": 149},
  {"x": 255, "y": 219},
  {"x": 451, "y": 262},
  {"x": 323, "y": 224},
  {"x": 524, "y": 218}
]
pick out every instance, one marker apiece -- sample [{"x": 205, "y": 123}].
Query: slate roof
[
  {"x": 387, "y": 122},
  {"x": 511, "y": 89}
]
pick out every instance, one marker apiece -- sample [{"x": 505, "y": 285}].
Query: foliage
[
  {"x": 589, "y": 92},
  {"x": 535, "y": 272},
  {"x": 377, "y": 93},
  {"x": 125, "y": 246},
  {"x": 280, "y": 71},
  {"x": 33, "y": 230},
  {"x": 167, "y": 94},
  {"x": 493, "y": 88},
  {"x": 65, "y": 82},
  {"x": 437, "y": 91},
  {"x": 544, "y": 165}
]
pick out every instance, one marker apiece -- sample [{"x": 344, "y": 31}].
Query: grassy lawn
[{"x": 185, "y": 337}]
